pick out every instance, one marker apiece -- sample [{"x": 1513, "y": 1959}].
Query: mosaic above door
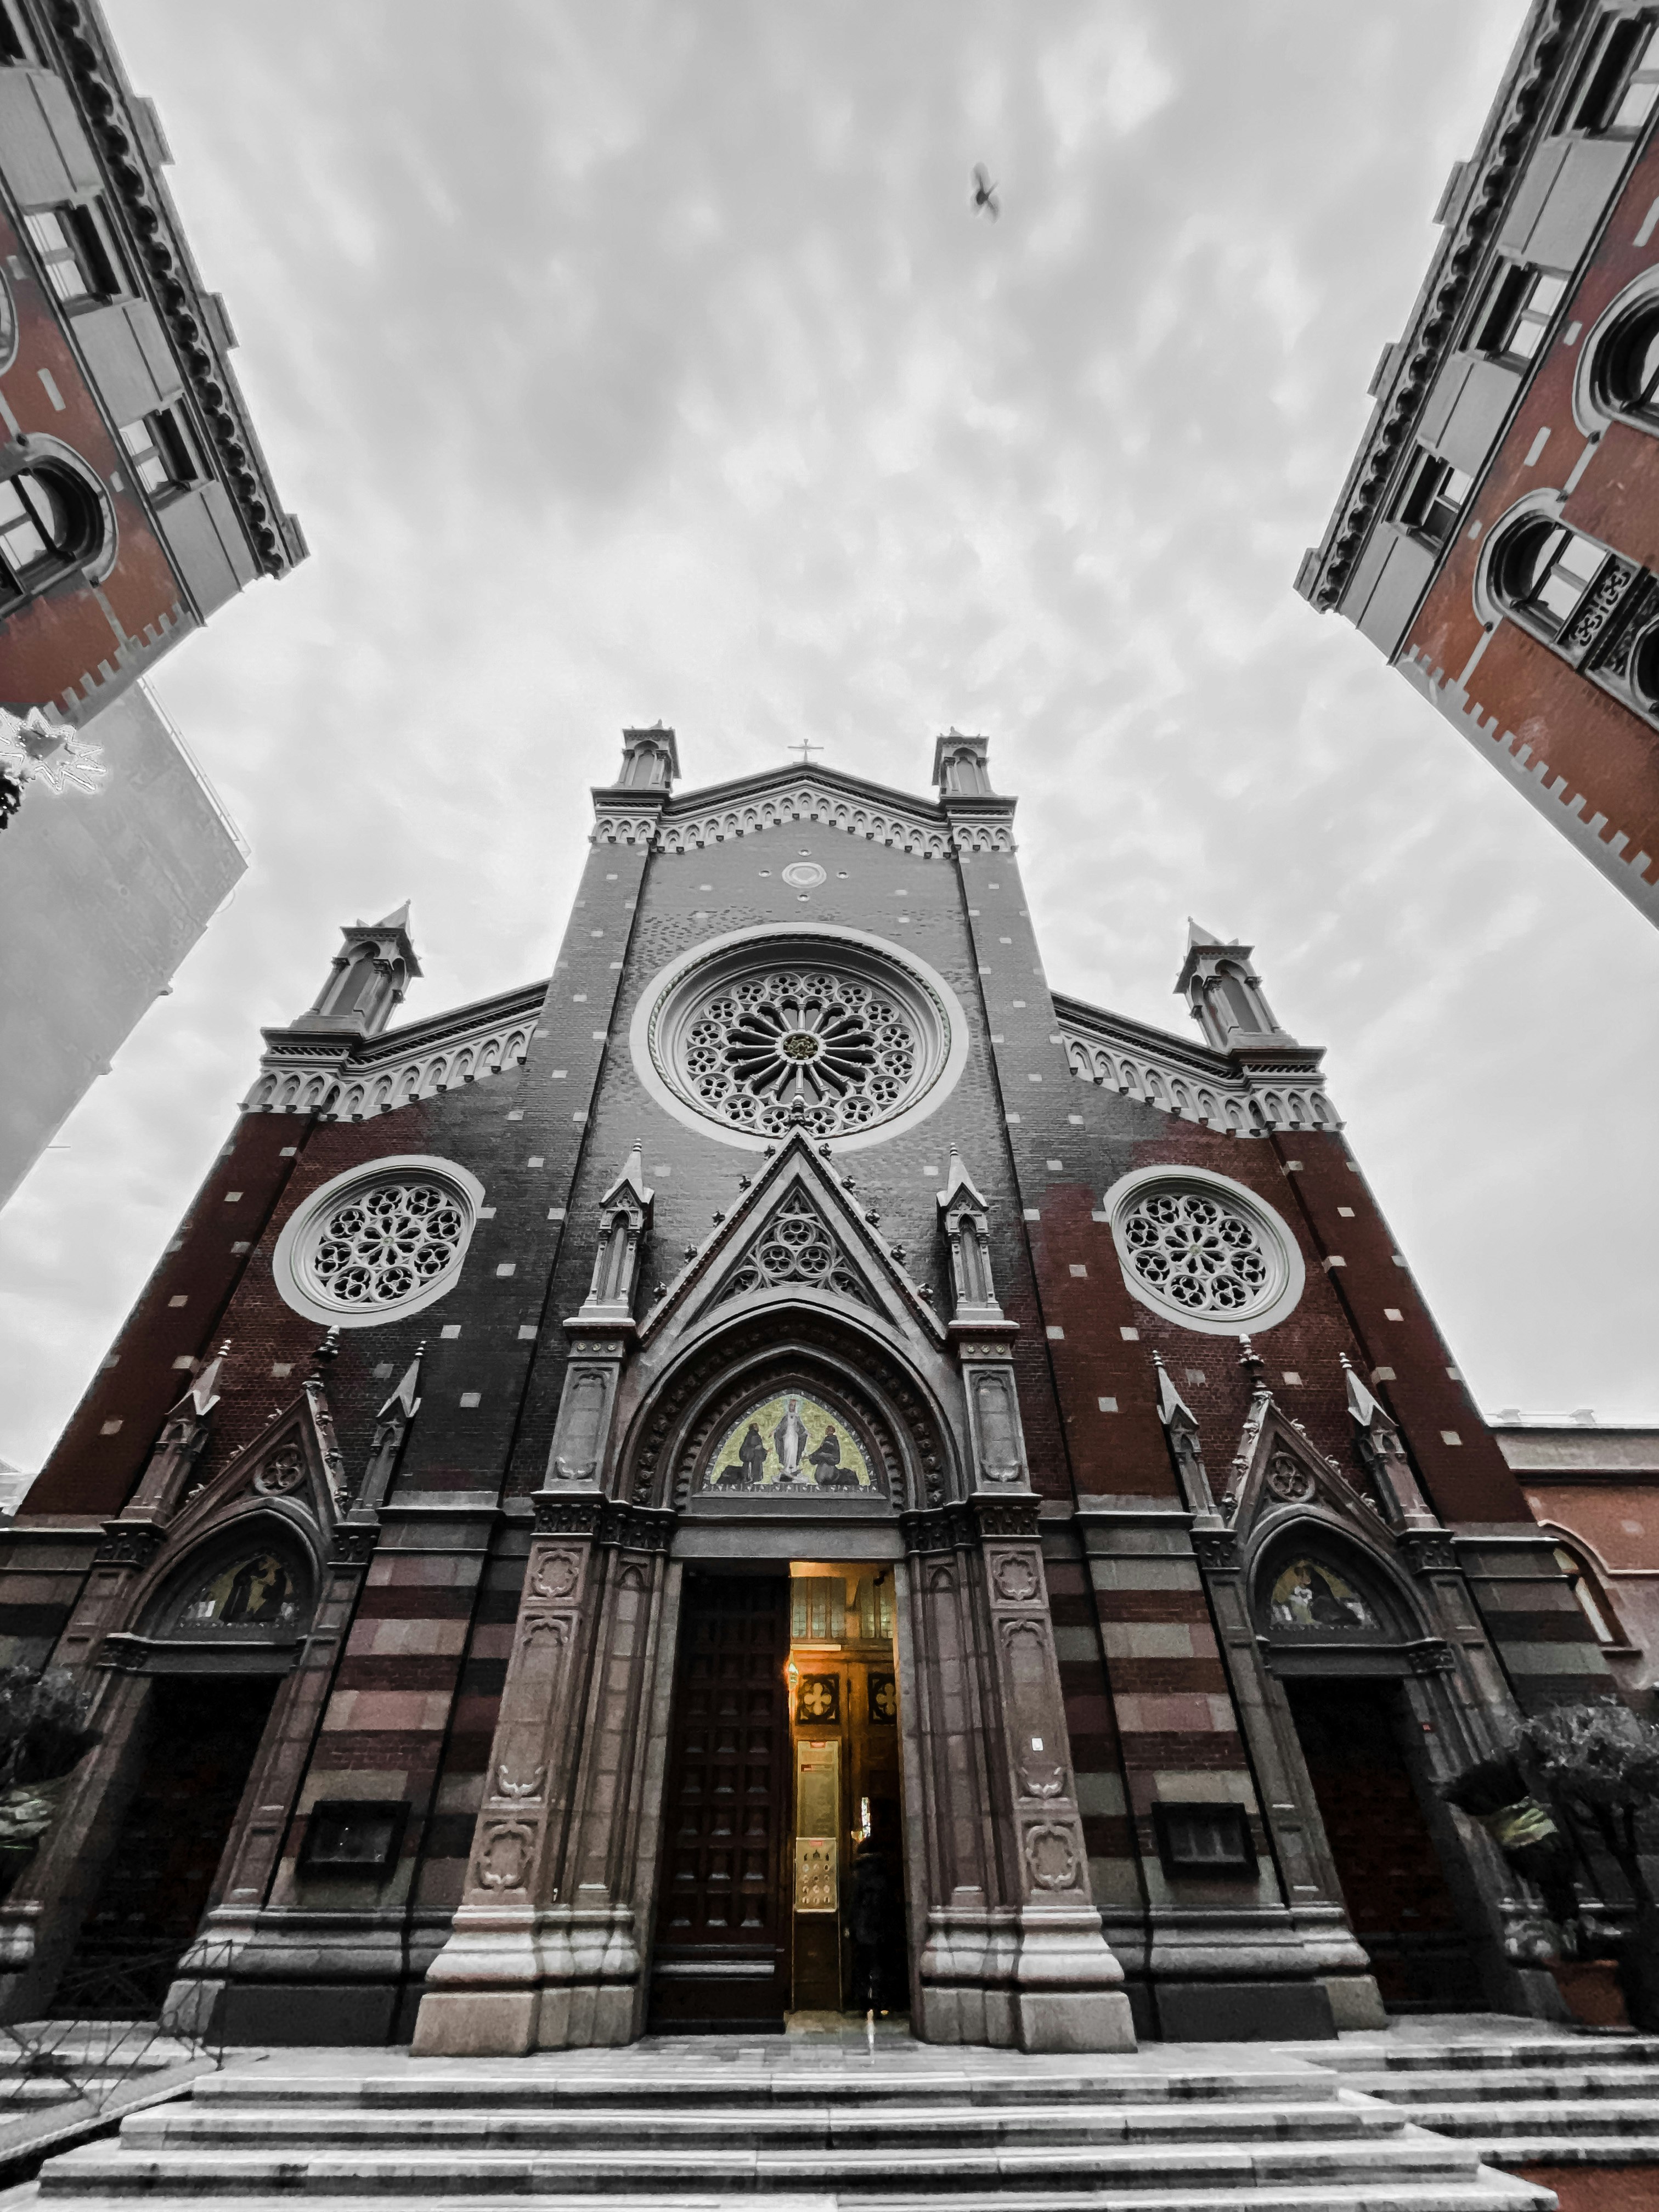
[{"x": 791, "y": 1442}]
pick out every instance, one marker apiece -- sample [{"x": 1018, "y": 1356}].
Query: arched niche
[
  {"x": 1317, "y": 1596},
  {"x": 239, "y": 1602}
]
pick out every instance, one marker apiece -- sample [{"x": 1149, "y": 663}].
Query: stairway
[
  {"x": 1526, "y": 2099},
  {"x": 696, "y": 2124}
]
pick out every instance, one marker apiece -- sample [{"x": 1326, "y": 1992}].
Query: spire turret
[
  {"x": 1221, "y": 986},
  {"x": 373, "y": 969}
]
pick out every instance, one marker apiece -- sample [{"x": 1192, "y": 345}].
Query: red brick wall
[
  {"x": 52, "y": 646},
  {"x": 1606, "y": 752}
]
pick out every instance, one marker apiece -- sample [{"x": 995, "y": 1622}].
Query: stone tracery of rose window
[
  {"x": 798, "y": 1049},
  {"x": 795, "y": 1246},
  {"x": 380, "y": 1245},
  {"x": 1197, "y": 1253}
]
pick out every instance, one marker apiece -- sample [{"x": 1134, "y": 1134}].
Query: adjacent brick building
[
  {"x": 787, "y": 1385},
  {"x": 134, "y": 501},
  {"x": 134, "y": 497},
  {"x": 1595, "y": 1490},
  {"x": 1498, "y": 535}
]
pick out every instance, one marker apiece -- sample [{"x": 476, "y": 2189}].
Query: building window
[
  {"x": 15, "y": 45},
  {"x": 48, "y": 525},
  {"x": 1204, "y": 1839},
  {"x": 1591, "y": 1602},
  {"x": 163, "y": 452},
  {"x": 1522, "y": 305},
  {"x": 1547, "y": 573},
  {"x": 76, "y": 249},
  {"x": 1626, "y": 366},
  {"x": 1622, "y": 82},
  {"x": 1434, "y": 498},
  {"x": 821, "y": 1030},
  {"x": 1644, "y": 668},
  {"x": 380, "y": 1246}
]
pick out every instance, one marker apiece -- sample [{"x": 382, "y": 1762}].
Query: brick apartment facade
[
  {"x": 1498, "y": 535},
  {"x": 417, "y": 1489},
  {"x": 134, "y": 496}
]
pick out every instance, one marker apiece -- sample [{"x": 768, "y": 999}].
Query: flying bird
[{"x": 985, "y": 192}]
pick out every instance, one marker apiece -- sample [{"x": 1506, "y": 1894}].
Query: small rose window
[
  {"x": 380, "y": 1242},
  {"x": 380, "y": 1246},
  {"x": 1204, "y": 1251}
]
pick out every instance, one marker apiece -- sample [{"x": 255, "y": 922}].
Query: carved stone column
[
  {"x": 545, "y": 1952},
  {"x": 483, "y": 1988},
  {"x": 1012, "y": 1951}
]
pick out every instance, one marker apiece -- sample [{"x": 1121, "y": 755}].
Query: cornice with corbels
[
  {"x": 1415, "y": 357},
  {"x": 104, "y": 104}
]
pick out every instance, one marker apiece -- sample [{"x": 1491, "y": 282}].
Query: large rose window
[
  {"x": 819, "y": 1030},
  {"x": 812, "y": 1048}
]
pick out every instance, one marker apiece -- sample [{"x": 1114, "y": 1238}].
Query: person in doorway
[{"x": 871, "y": 1919}]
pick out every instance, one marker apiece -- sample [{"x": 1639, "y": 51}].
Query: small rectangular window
[
  {"x": 77, "y": 252},
  {"x": 352, "y": 1837},
  {"x": 1204, "y": 1839},
  {"x": 164, "y": 455},
  {"x": 1433, "y": 499},
  {"x": 1621, "y": 85},
  {"x": 1522, "y": 306}
]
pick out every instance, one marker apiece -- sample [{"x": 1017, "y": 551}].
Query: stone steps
[
  {"x": 181, "y": 2128},
  {"x": 981, "y": 2132},
  {"x": 1490, "y": 2193},
  {"x": 1394, "y": 2172},
  {"x": 1532, "y": 2101},
  {"x": 571, "y": 2082}
]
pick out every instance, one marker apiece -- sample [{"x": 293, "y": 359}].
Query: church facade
[{"x": 788, "y": 1410}]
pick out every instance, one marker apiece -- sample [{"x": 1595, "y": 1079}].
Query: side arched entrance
[{"x": 1363, "y": 1697}]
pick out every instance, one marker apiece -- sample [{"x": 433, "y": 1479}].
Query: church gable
[
  {"x": 1276, "y": 1467},
  {"x": 795, "y": 1246},
  {"x": 296, "y": 1460},
  {"x": 798, "y": 1229}
]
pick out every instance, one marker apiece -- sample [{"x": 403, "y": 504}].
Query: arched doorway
[
  {"x": 782, "y": 1877},
  {"x": 1364, "y": 1695},
  {"x": 181, "y": 1735}
]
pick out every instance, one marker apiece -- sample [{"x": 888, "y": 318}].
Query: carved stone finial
[
  {"x": 1248, "y": 1358},
  {"x": 624, "y": 1221},
  {"x": 965, "y": 1218}
]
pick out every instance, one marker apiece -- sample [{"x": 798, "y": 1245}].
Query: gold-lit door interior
[{"x": 843, "y": 1709}]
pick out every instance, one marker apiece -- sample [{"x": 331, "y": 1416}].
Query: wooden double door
[{"x": 722, "y": 1959}]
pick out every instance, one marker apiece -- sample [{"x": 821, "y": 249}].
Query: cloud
[{"x": 643, "y": 361}]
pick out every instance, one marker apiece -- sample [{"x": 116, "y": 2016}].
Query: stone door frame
[{"x": 551, "y": 1943}]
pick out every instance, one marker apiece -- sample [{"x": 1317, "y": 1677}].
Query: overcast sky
[{"x": 629, "y": 361}]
